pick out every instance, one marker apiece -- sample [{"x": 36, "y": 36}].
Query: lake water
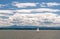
[{"x": 29, "y": 34}]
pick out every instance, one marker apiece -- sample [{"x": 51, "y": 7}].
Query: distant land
[{"x": 14, "y": 27}]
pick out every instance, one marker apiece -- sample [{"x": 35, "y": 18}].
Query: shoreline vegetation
[{"x": 40, "y": 28}]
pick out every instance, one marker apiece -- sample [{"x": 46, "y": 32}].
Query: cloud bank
[
  {"x": 24, "y": 16},
  {"x": 43, "y": 19},
  {"x": 37, "y": 19},
  {"x": 30, "y": 17}
]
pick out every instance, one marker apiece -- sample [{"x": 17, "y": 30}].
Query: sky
[{"x": 30, "y": 13}]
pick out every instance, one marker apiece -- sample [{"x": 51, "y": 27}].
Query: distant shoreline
[{"x": 40, "y": 28}]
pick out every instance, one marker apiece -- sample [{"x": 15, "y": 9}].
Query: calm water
[{"x": 29, "y": 34}]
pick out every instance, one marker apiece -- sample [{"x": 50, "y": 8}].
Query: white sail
[{"x": 37, "y": 29}]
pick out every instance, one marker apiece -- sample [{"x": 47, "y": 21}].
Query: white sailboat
[{"x": 37, "y": 29}]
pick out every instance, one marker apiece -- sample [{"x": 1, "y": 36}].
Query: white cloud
[
  {"x": 46, "y": 10},
  {"x": 24, "y": 11},
  {"x": 24, "y": 5},
  {"x": 6, "y": 13},
  {"x": 42, "y": 19},
  {"x": 53, "y": 4},
  {"x": 43, "y": 4},
  {"x": 5, "y": 23},
  {"x": 37, "y": 19},
  {"x": 37, "y": 10},
  {"x": 1, "y": 5},
  {"x": 29, "y": 10},
  {"x": 49, "y": 4}
]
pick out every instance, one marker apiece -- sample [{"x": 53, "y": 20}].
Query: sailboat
[{"x": 37, "y": 29}]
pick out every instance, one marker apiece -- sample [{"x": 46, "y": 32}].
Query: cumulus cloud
[
  {"x": 30, "y": 17},
  {"x": 37, "y": 10},
  {"x": 49, "y": 4},
  {"x": 38, "y": 19},
  {"x": 6, "y": 13},
  {"x": 5, "y": 24},
  {"x": 53, "y": 4},
  {"x": 43, "y": 19},
  {"x": 24, "y": 11},
  {"x": 30, "y": 4},
  {"x": 29, "y": 10},
  {"x": 43, "y": 4},
  {"x": 24, "y": 5},
  {"x": 46, "y": 10}
]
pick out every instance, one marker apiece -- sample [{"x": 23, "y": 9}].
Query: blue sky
[
  {"x": 9, "y": 2},
  {"x": 30, "y": 12}
]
